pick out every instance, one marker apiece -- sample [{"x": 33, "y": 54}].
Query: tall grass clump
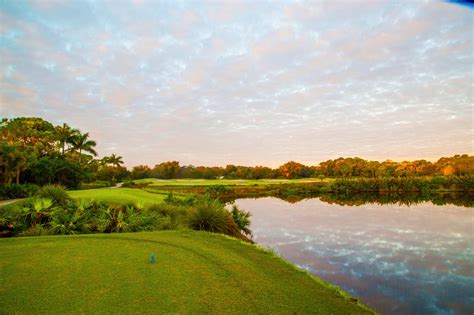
[
  {"x": 210, "y": 215},
  {"x": 56, "y": 193}
]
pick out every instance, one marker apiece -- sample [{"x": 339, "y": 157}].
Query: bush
[
  {"x": 126, "y": 219},
  {"x": 56, "y": 193},
  {"x": 216, "y": 190},
  {"x": 169, "y": 216},
  {"x": 242, "y": 220},
  {"x": 128, "y": 183},
  {"x": 69, "y": 220},
  {"x": 13, "y": 191},
  {"x": 35, "y": 211},
  {"x": 210, "y": 215},
  {"x": 94, "y": 185}
]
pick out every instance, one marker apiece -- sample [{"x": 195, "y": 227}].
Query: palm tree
[
  {"x": 65, "y": 135},
  {"x": 115, "y": 160},
  {"x": 81, "y": 142}
]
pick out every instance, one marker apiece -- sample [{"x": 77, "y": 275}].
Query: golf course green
[{"x": 194, "y": 272}]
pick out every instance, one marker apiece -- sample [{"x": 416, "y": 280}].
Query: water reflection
[
  {"x": 396, "y": 258},
  {"x": 382, "y": 199}
]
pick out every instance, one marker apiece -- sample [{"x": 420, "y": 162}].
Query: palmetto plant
[
  {"x": 242, "y": 219},
  {"x": 56, "y": 193},
  {"x": 69, "y": 220},
  {"x": 36, "y": 211}
]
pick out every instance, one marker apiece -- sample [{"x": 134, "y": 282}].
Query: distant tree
[
  {"x": 114, "y": 160},
  {"x": 293, "y": 170},
  {"x": 112, "y": 173},
  {"x": 260, "y": 172},
  {"x": 166, "y": 170},
  {"x": 141, "y": 171},
  {"x": 13, "y": 160},
  {"x": 65, "y": 136},
  {"x": 28, "y": 134},
  {"x": 82, "y": 143}
]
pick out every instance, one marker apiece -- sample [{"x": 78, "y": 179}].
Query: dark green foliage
[
  {"x": 128, "y": 218},
  {"x": 69, "y": 220},
  {"x": 186, "y": 201},
  {"x": 169, "y": 216},
  {"x": 210, "y": 215},
  {"x": 56, "y": 193},
  {"x": 242, "y": 220},
  {"x": 216, "y": 190},
  {"x": 112, "y": 174},
  {"x": 128, "y": 183},
  {"x": 13, "y": 191},
  {"x": 35, "y": 211},
  {"x": 464, "y": 184},
  {"x": 94, "y": 185},
  {"x": 402, "y": 184},
  {"x": 52, "y": 212}
]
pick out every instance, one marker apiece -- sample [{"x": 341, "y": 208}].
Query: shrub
[
  {"x": 72, "y": 219},
  {"x": 210, "y": 215},
  {"x": 12, "y": 191},
  {"x": 242, "y": 220},
  {"x": 216, "y": 190},
  {"x": 35, "y": 211},
  {"x": 169, "y": 216},
  {"x": 94, "y": 185},
  {"x": 128, "y": 183},
  {"x": 186, "y": 201},
  {"x": 10, "y": 223},
  {"x": 438, "y": 181},
  {"x": 126, "y": 219},
  {"x": 56, "y": 193}
]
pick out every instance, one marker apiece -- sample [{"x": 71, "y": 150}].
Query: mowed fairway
[
  {"x": 116, "y": 196},
  {"x": 194, "y": 272},
  {"x": 209, "y": 182}
]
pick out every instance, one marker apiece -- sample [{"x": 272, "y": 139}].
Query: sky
[{"x": 245, "y": 82}]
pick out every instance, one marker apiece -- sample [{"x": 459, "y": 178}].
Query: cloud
[{"x": 245, "y": 82}]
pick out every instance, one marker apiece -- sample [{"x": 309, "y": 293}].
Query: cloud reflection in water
[{"x": 397, "y": 259}]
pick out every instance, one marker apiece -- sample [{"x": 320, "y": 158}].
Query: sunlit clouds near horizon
[{"x": 249, "y": 83}]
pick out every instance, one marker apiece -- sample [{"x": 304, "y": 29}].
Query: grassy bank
[{"x": 195, "y": 272}]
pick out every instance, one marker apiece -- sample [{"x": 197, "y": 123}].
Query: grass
[
  {"x": 116, "y": 196},
  {"x": 208, "y": 182},
  {"x": 194, "y": 272}
]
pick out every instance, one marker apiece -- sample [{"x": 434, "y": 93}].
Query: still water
[{"x": 398, "y": 259}]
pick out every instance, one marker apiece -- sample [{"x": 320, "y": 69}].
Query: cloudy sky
[{"x": 257, "y": 82}]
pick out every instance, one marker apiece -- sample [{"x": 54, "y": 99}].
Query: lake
[{"x": 398, "y": 259}]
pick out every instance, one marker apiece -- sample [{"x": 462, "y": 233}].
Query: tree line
[
  {"x": 458, "y": 165},
  {"x": 33, "y": 150}
]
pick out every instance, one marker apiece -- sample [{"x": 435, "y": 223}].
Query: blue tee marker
[{"x": 152, "y": 259}]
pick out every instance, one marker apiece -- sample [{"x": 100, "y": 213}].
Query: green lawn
[
  {"x": 118, "y": 195},
  {"x": 194, "y": 273},
  {"x": 207, "y": 182}
]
